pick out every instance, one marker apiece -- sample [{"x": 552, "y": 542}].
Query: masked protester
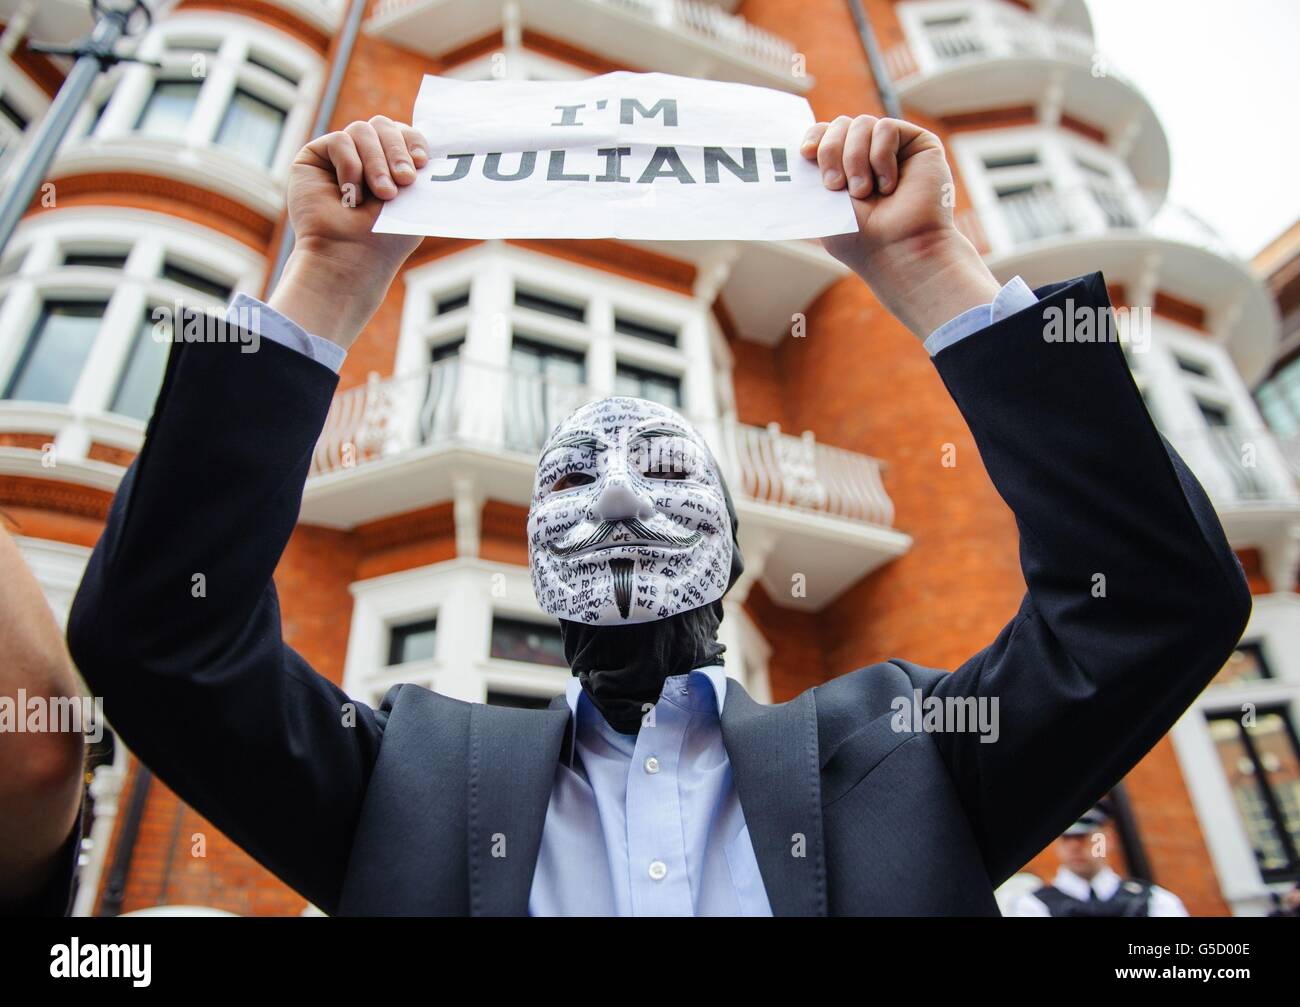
[{"x": 656, "y": 785}]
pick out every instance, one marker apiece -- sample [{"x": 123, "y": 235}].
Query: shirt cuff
[
  {"x": 263, "y": 320},
  {"x": 1014, "y": 296}
]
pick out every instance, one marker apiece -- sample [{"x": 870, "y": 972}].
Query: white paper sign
[{"x": 624, "y": 155}]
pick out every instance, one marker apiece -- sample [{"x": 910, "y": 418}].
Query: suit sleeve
[
  {"x": 1134, "y": 599},
  {"x": 176, "y": 625}
]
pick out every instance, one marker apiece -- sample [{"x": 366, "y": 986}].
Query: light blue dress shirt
[{"x": 647, "y": 824}]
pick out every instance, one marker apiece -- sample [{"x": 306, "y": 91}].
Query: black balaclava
[{"x": 622, "y": 668}]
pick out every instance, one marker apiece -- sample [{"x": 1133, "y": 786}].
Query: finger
[
  {"x": 808, "y": 145},
  {"x": 830, "y": 153},
  {"x": 857, "y": 156},
  {"x": 395, "y": 151},
  {"x": 416, "y": 144},
  {"x": 885, "y": 139},
  {"x": 342, "y": 153},
  {"x": 374, "y": 162}
]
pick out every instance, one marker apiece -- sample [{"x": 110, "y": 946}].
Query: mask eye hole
[
  {"x": 668, "y": 459},
  {"x": 571, "y": 480}
]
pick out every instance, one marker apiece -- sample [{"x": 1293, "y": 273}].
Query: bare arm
[{"x": 40, "y": 788}]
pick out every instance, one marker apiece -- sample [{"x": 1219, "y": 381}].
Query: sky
[{"x": 1224, "y": 78}]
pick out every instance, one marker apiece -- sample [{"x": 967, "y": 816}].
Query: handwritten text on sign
[{"x": 624, "y": 155}]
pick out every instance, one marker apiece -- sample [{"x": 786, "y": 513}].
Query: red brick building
[{"x": 869, "y": 526}]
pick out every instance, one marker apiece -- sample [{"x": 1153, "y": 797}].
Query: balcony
[
  {"x": 687, "y": 37},
  {"x": 996, "y": 56},
  {"x": 462, "y": 428},
  {"x": 1249, "y": 479},
  {"x": 1137, "y": 239}
]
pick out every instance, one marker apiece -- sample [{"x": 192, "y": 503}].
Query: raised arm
[
  {"x": 40, "y": 787},
  {"x": 1134, "y": 597},
  {"x": 177, "y": 623}
]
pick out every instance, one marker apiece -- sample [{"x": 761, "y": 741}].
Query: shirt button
[
  {"x": 658, "y": 870},
  {"x": 651, "y": 765}
]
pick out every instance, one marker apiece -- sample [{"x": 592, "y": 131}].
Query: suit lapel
[
  {"x": 774, "y": 758},
  {"x": 513, "y": 755}
]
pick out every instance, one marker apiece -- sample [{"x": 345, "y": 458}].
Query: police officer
[{"x": 1085, "y": 885}]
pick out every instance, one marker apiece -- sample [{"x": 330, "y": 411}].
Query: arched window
[{"x": 230, "y": 105}]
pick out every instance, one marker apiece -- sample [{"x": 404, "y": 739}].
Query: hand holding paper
[{"x": 623, "y": 155}]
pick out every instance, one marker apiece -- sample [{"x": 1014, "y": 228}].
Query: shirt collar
[
  {"x": 1105, "y": 883},
  {"x": 715, "y": 674}
]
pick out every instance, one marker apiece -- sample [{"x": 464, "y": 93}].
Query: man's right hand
[{"x": 340, "y": 269}]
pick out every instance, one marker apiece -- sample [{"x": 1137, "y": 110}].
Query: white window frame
[
  {"x": 1059, "y": 151},
  {"x": 464, "y": 594},
  {"x": 196, "y": 157},
  {"x": 150, "y": 239},
  {"x": 1275, "y": 625},
  {"x": 491, "y": 272},
  {"x": 1173, "y": 392},
  {"x": 28, "y": 98}
]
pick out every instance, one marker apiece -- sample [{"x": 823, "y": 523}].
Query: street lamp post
[{"x": 94, "y": 54}]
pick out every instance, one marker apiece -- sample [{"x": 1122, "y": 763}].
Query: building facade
[{"x": 868, "y": 524}]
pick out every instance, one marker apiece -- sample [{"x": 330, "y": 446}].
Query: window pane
[
  {"x": 451, "y": 302},
  {"x": 1246, "y": 664},
  {"x": 251, "y": 128},
  {"x": 412, "y": 642},
  {"x": 96, "y": 260},
  {"x": 56, "y": 351},
  {"x": 1215, "y": 416},
  {"x": 643, "y": 384},
  {"x": 520, "y": 640},
  {"x": 1262, "y": 766},
  {"x": 551, "y": 305},
  {"x": 643, "y": 330},
  {"x": 142, "y": 377},
  {"x": 197, "y": 281},
  {"x": 14, "y": 117},
  {"x": 169, "y": 109}
]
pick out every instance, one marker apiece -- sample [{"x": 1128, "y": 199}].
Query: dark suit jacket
[{"x": 396, "y": 814}]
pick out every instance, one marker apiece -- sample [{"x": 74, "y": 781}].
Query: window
[
  {"x": 87, "y": 285},
  {"x": 951, "y": 36},
  {"x": 1214, "y": 415},
  {"x": 437, "y": 407},
  {"x": 251, "y": 127},
  {"x": 186, "y": 277},
  {"x": 1246, "y": 664},
  {"x": 644, "y": 330},
  {"x": 643, "y": 384},
  {"x": 95, "y": 260},
  {"x": 14, "y": 117},
  {"x": 1198, "y": 367},
  {"x": 451, "y": 302},
  {"x": 551, "y": 363},
  {"x": 1279, "y": 398},
  {"x": 229, "y": 89},
  {"x": 551, "y": 305},
  {"x": 412, "y": 641},
  {"x": 56, "y": 351},
  {"x": 169, "y": 109},
  {"x": 534, "y": 643},
  {"x": 137, "y": 389},
  {"x": 540, "y": 393},
  {"x": 1262, "y": 764}
]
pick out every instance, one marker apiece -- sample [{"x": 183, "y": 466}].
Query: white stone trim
[{"x": 1275, "y": 624}]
